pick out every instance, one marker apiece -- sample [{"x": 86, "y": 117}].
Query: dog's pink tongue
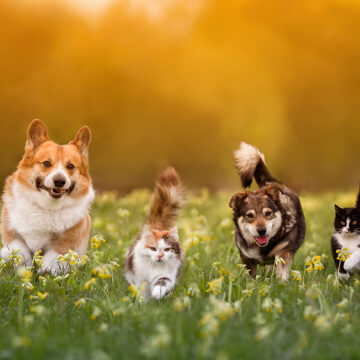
[{"x": 261, "y": 240}]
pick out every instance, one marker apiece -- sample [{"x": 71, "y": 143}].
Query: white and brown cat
[{"x": 156, "y": 257}]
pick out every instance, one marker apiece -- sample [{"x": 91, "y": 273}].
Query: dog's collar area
[{"x": 55, "y": 193}]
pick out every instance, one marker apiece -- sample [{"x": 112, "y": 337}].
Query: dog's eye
[
  {"x": 167, "y": 249},
  {"x": 354, "y": 222},
  {"x": 153, "y": 248},
  {"x": 70, "y": 166},
  {"x": 343, "y": 223},
  {"x": 268, "y": 213},
  {"x": 250, "y": 215},
  {"x": 46, "y": 164}
]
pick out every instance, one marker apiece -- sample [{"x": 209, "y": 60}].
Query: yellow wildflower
[
  {"x": 215, "y": 285},
  {"x": 178, "y": 305},
  {"x": 136, "y": 292},
  {"x": 102, "y": 272},
  {"x": 343, "y": 254},
  {"x": 38, "y": 258},
  {"x": 96, "y": 241},
  {"x": 89, "y": 283},
  {"x": 80, "y": 303},
  {"x": 42, "y": 296},
  {"x": 279, "y": 260},
  {"x": 16, "y": 258},
  {"x": 296, "y": 275}
]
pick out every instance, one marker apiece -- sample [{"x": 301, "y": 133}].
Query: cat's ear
[
  {"x": 338, "y": 209},
  {"x": 174, "y": 232}
]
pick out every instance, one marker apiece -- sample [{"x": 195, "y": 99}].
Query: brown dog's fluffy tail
[
  {"x": 250, "y": 163},
  {"x": 167, "y": 201}
]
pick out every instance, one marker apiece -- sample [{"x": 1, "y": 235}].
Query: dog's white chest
[
  {"x": 37, "y": 225},
  {"x": 253, "y": 253}
]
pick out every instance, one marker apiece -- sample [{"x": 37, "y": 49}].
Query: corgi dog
[
  {"x": 269, "y": 222},
  {"x": 47, "y": 199},
  {"x": 156, "y": 257}
]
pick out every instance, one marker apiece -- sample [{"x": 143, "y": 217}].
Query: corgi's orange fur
[{"x": 47, "y": 199}]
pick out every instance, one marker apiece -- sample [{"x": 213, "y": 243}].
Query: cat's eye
[
  {"x": 70, "y": 166},
  {"x": 153, "y": 248},
  {"x": 46, "y": 164},
  {"x": 343, "y": 223},
  {"x": 167, "y": 249},
  {"x": 354, "y": 222}
]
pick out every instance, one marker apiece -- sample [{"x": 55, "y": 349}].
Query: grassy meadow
[{"x": 216, "y": 311}]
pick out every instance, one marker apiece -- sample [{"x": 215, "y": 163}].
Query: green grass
[{"x": 247, "y": 319}]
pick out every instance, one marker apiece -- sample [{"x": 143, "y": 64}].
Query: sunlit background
[{"x": 182, "y": 82}]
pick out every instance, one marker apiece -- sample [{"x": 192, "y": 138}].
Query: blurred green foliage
[{"x": 186, "y": 86}]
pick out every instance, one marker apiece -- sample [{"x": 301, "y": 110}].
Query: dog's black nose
[
  {"x": 261, "y": 231},
  {"x": 59, "y": 181}
]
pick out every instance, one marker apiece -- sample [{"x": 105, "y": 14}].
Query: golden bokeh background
[{"x": 182, "y": 82}]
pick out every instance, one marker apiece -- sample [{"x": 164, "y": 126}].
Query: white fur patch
[
  {"x": 36, "y": 217},
  {"x": 51, "y": 265},
  {"x": 147, "y": 270},
  {"x": 349, "y": 241},
  {"x": 352, "y": 264},
  {"x": 343, "y": 277},
  {"x": 246, "y": 157},
  {"x": 17, "y": 245}
]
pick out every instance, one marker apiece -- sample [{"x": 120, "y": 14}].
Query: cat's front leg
[
  {"x": 343, "y": 276},
  {"x": 352, "y": 264},
  {"x": 162, "y": 287}
]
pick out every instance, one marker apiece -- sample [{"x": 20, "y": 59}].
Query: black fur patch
[{"x": 162, "y": 281}]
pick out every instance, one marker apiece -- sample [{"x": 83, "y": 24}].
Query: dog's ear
[
  {"x": 237, "y": 198},
  {"x": 36, "y": 134},
  {"x": 82, "y": 140},
  {"x": 273, "y": 192}
]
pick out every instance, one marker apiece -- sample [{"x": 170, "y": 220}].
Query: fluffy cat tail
[
  {"x": 168, "y": 199},
  {"x": 250, "y": 163}
]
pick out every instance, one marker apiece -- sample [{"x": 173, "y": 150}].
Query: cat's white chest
[
  {"x": 148, "y": 272},
  {"x": 349, "y": 241}
]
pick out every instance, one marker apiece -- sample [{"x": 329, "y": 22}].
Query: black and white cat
[{"x": 347, "y": 235}]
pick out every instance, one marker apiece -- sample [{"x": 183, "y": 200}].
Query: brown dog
[
  {"x": 268, "y": 221},
  {"x": 46, "y": 200}
]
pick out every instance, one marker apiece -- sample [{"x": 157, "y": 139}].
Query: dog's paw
[
  {"x": 158, "y": 292},
  {"x": 51, "y": 265},
  {"x": 283, "y": 275},
  {"x": 26, "y": 260},
  {"x": 343, "y": 276}
]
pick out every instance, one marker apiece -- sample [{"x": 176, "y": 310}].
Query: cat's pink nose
[{"x": 160, "y": 256}]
